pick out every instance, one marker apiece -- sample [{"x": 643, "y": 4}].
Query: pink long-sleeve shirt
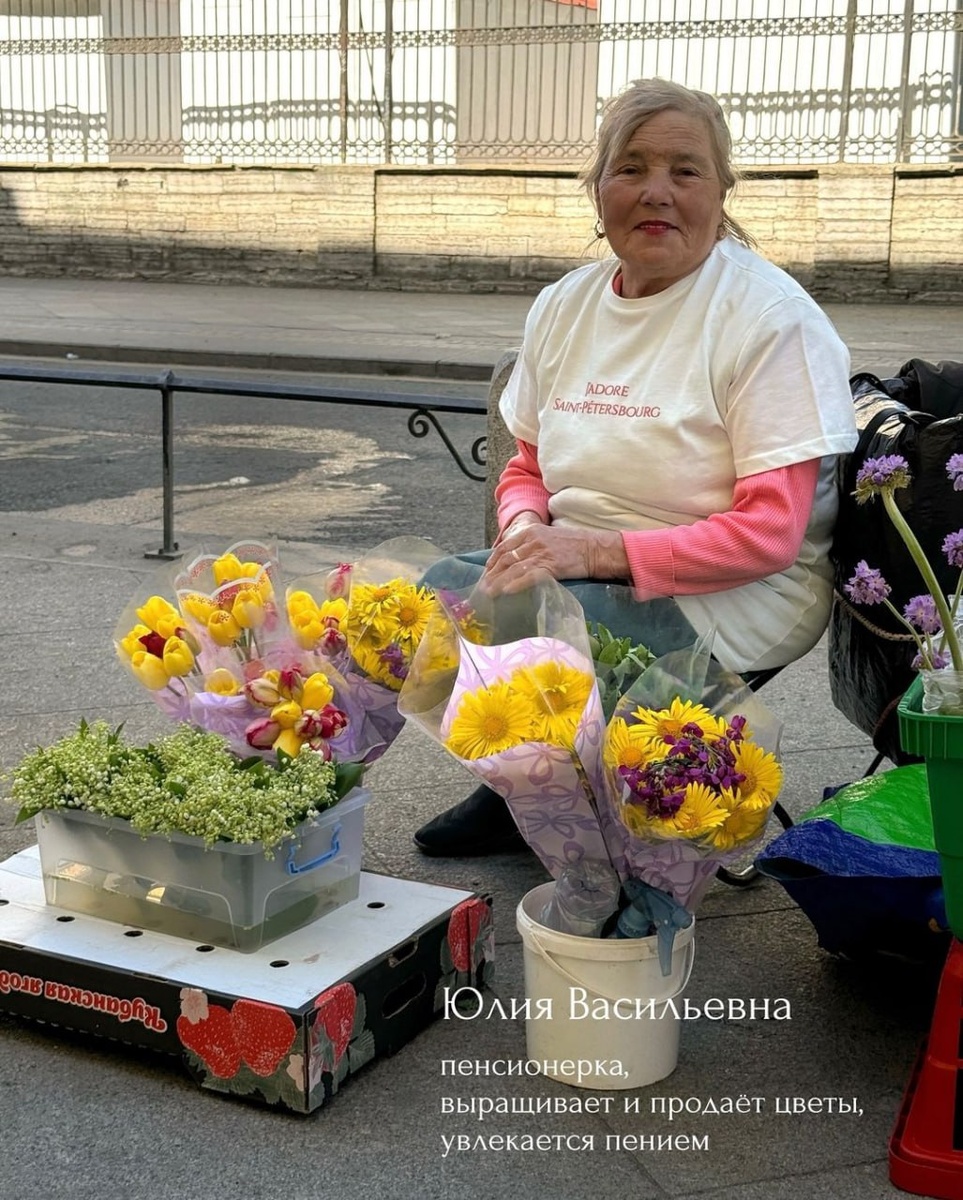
[{"x": 760, "y": 535}]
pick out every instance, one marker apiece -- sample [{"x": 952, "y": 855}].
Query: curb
[{"x": 240, "y": 360}]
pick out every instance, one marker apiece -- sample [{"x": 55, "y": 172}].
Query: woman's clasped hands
[{"x": 528, "y": 548}]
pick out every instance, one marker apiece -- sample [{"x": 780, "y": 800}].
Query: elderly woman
[{"x": 677, "y": 408}]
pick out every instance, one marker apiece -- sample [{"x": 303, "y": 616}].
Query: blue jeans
[{"x": 658, "y": 624}]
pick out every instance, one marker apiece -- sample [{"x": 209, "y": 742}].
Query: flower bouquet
[
  {"x": 691, "y": 772},
  {"x": 679, "y": 781},
  {"x": 365, "y": 622},
  {"x": 521, "y": 712}
]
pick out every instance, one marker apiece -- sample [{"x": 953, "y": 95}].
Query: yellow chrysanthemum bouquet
[
  {"x": 691, "y": 784},
  {"x": 508, "y": 687}
]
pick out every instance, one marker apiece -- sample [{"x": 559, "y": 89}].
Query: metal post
[
  {"x": 956, "y": 93},
  {"x": 847, "y": 87},
  {"x": 903, "y": 128},
  {"x": 389, "y": 51},
  {"x": 169, "y": 548},
  {"x": 343, "y": 85}
]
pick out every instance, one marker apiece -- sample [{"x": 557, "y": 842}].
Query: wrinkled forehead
[{"x": 673, "y": 132}]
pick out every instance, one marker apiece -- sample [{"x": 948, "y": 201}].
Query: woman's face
[{"x": 661, "y": 202}]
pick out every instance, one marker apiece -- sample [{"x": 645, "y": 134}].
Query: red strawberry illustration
[
  {"x": 336, "y": 1009},
  {"x": 212, "y": 1040},
  {"x": 264, "y": 1034},
  {"x": 463, "y": 926}
]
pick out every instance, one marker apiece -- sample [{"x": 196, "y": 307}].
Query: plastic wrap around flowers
[
  {"x": 679, "y": 781},
  {"x": 231, "y": 658},
  {"x": 520, "y": 709},
  {"x": 367, "y": 620}
]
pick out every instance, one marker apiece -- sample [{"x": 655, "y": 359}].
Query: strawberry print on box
[
  {"x": 256, "y": 1049},
  {"x": 250, "y": 1047},
  {"x": 468, "y": 950},
  {"x": 300, "y": 1059}
]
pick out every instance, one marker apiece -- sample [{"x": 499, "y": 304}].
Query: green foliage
[
  {"x": 618, "y": 663},
  {"x": 188, "y": 782}
]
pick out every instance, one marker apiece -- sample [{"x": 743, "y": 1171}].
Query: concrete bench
[{"x": 500, "y": 445}]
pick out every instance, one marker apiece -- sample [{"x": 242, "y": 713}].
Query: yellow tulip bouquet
[{"x": 270, "y": 673}]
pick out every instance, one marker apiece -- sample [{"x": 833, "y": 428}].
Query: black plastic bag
[{"x": 918, "y": 415}]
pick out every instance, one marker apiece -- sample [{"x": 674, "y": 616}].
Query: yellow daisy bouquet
[
  {"x": 509, "y": 689},
  {"x": 691, "y": 786},
  {"x": 542, "y": 702},
  {"x": 367, "y": 620}
]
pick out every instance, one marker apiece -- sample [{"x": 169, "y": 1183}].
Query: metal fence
[{"x": 466, "y": 81}]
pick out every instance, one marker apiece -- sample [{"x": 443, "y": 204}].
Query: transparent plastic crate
[{"x": 227, "y": 895}]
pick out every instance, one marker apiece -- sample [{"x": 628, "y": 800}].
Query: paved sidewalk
[
  {"x": 447, "y": 336},
  {"x": 85, "y": 1120}
]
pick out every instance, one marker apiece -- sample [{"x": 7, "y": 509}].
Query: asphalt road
[{"x": 297, "y": 470}]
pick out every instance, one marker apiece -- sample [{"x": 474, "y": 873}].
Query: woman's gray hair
[{"x": 634, "y": 106}]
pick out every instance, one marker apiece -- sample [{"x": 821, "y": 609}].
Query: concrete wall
[{"x": 845, "y": 232}]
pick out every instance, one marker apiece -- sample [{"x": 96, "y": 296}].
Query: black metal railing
[{"x": 423, "y": 412}]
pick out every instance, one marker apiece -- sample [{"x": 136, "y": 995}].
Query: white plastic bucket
[{"x": 576, "y": 974}]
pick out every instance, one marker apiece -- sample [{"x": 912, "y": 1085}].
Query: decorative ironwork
[
  {"x": 511, "y": 35},
  {"x": 420, "y": 424},
  {"x": 420, "y": 94}
]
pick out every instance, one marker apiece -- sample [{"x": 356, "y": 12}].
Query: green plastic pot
[{"x": 937, "y": 738}]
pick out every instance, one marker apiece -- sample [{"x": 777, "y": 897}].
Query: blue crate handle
[{"x": 292, "y": 867}]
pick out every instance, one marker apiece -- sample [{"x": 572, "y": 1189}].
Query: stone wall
[
  {"x": 846, "y": 232},
  {"x": 205, "y": 225}
]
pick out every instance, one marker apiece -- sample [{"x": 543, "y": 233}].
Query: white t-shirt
[{"x": 646, "y": 412}]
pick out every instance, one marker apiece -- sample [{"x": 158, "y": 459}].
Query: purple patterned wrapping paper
[
  {"x": 362, "y": 740},
  {"x": 549, "y": 789}
]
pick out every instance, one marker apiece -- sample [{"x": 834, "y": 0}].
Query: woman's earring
[{"x": 599, "y": 231}]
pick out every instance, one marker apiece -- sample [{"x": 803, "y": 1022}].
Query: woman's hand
[{"x": 529, "y": 548}]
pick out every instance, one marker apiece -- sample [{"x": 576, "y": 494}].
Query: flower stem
[
  {"x": 923, "y": 647},
  {"x": 932, "y": 583},
  {"x": 954, "y": 604}
]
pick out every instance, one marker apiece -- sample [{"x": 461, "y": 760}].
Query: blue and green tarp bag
[{"x": 863, "y": 867}]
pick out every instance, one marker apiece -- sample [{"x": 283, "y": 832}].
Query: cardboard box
[{"x": 286, "y": 1025}]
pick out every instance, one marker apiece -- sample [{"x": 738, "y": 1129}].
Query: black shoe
[{"x": 480, "y": 825}]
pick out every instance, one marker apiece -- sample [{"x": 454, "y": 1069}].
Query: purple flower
[
  {"x": 922, "y": 615},
  {"x": 459, "y": 609},
  {"x": 394, "y": 659},
  {"x": 953, "y": 542},
  {"x": 937, "y": 661},
  {"x": 886, "y": 473},
  {"x": 660, "y": 786},
  {"x": 867, "y": 586},
  {"x": 954, "y": 468}
]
